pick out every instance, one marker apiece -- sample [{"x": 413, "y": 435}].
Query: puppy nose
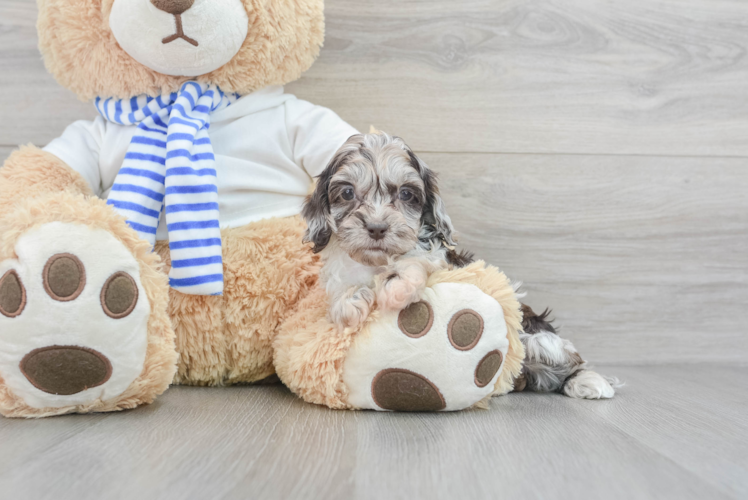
[
  {"x": 175, "y": 7},
  {"x": 377, "y": 230}
]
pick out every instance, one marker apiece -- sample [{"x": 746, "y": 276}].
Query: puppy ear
[
  {"x": 316, "y": 209},
  {"x": 434, "y": 219}
]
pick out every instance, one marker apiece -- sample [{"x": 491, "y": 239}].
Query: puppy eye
[
  {"x": 348, "y": 194},
  {"x": 406, "y": 194}
]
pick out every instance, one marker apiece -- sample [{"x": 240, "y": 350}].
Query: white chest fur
[{"x": 341, "y": 272}]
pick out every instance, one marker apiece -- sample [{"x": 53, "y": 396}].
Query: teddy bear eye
[
  {"x": 348, "y": 194},
  {"x": 406, "y": 195}
]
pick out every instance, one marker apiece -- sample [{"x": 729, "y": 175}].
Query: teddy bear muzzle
[
  {"x": 65, "y": 370},
  {"x": 180, "y": 37}
]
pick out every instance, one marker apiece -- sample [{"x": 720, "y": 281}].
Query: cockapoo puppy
[{"x": 381, "y": 227}]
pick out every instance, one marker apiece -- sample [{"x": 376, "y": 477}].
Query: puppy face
[{"x": 378, "y": 199}]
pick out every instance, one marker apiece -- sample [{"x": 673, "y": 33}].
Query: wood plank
[
  {"x": 18, "y": 13},
  {"x": 193, "y": 443},
  {"x": 662, "y": 77},
  {"x": 35, "y": 108},
  {"x": 691, "y": 415},
  {"x": 227, "y": 443},
  {"x": 643, "y": 258},
  {"x": 572, "y": 76}
]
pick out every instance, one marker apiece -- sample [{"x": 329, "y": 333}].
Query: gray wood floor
[
  {"x": 597, "y": 151},
  {"x": 674, "y": 432}
]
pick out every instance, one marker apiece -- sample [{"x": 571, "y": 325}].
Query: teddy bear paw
[
  {"x": 73, "y": 317},
  {"x": 442, "y": 353}
]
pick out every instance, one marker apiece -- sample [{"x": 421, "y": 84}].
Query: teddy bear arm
[{"x": 31, "y": 172}]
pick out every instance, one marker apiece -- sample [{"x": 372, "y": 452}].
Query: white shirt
[{"x": 268, "y": 145}]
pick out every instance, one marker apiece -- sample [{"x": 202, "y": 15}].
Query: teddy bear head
[{"x": 124, "y": 48}]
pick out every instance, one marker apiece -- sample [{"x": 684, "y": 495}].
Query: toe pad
[{"x": 12, "y": 295}]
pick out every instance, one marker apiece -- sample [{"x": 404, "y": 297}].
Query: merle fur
[
  {"x": 316, "y": 208},
  {"x": 534, "y": 323}
]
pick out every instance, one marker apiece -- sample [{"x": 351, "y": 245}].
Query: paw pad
[
  {"x": 403, "y": 390},
  {"x": 416, "y": 319},
  {"x": 65, "y": 370},
  {"x": 12, "y": 295},
  {"x": 64, "y": 277},
  {"x": 119, "y": 295},
  {"x": 487, "y": 368},
  {"x": 465, "y": 329}
]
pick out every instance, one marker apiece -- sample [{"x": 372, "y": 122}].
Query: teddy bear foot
[
  {"x": 452, "y": 349},
  {"x": 74, "y": 320},
  {"x": 443, "y": 353}
]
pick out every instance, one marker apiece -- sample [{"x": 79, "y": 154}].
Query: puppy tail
[{"x": 587, "y": 384}]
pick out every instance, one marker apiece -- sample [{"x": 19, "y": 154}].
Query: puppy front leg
[
  {"x": 403, "y": 283},
  {"x": 351, "y": 308}
]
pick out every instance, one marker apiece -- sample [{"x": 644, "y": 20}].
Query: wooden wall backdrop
[{"x": 596, "y": 150}]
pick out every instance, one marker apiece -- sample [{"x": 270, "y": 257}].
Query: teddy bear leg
[
  {"x": 82, "y": 311},
  {"x": 445, "y": 352},
  {"x": 199, "y": 333},
  {"x": 454, "y": 348},
  {"x": 228, "y": 340}
]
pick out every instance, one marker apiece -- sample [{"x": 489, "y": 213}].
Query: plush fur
[
  {"x": 49, "y": 175},
  {"x": 81, "y": 52},
  {"x": 161, "y": 356},
  {"x": 309, "y": 353},
  {"x": 228, "y": 339}
]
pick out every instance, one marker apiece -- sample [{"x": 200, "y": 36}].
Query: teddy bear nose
[{"x": 176, "y": 7}]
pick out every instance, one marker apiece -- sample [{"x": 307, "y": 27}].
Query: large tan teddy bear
[{"x": 161, "y": 242}]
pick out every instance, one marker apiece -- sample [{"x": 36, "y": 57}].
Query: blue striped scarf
[{"x": 170, "y": 163}]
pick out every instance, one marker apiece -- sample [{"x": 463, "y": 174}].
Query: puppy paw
[
  {"x": 73, "y": 317},
  {"x": 402, "y": 287},
  {"x": 442, "y": 353},
  {"x": 586, "y": 384},
  {"x": 352, "y": 309}
]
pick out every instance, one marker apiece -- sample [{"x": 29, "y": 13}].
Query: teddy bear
[{"x": 161, "y": 243}]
